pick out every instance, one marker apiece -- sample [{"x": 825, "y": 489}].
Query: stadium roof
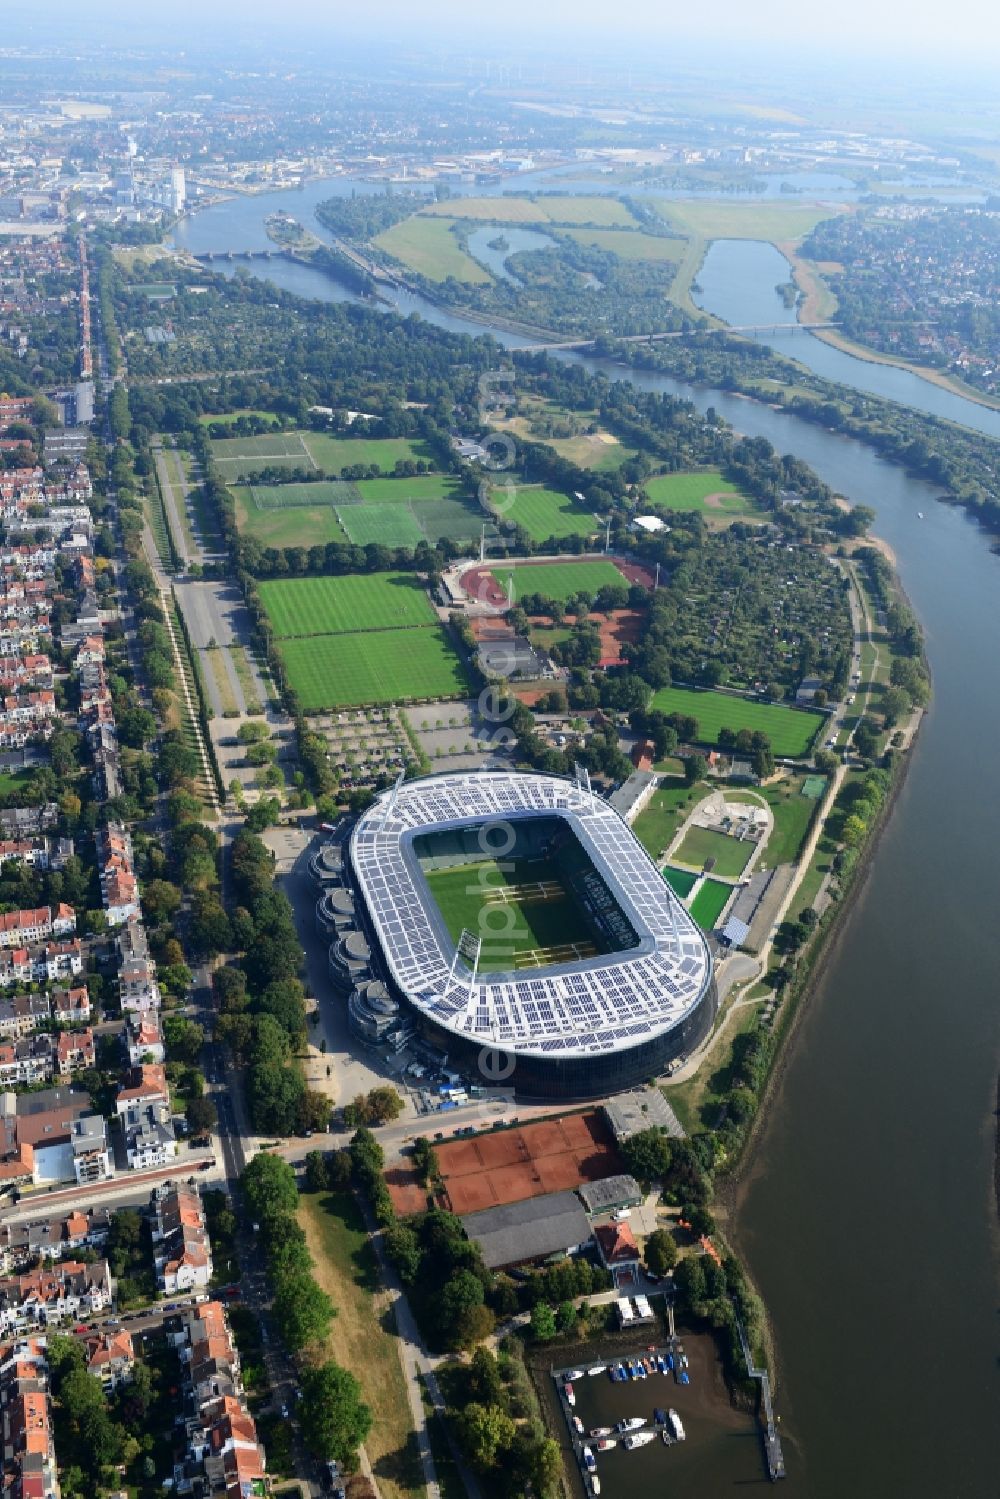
[
  {"x": 530, "y": 1230},
  {"x": 585, "y": 1008}
]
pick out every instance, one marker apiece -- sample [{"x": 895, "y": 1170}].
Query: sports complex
[{"x": 516, "y": 915}]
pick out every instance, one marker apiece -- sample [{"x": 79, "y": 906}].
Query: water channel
[{"x": 868, "y": 1220}]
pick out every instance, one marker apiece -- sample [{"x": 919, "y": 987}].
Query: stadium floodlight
[
  {"x": 390, "y": 802},
  {"x": 469, "y": 946},
  {"x": 582, "y": 777}
]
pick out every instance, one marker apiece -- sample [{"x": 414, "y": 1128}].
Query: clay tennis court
[{"x": 510, "y": 1165}]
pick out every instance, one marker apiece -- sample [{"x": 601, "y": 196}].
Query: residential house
[
  {"x": 111, "y": 1358},
  {"x": 55, "y": 1294},
  {"x": 181, "y": 1248}
]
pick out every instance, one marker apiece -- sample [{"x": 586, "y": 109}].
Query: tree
[
  {"x": 543, "y": 1323},
  {"x": 303, "y": 1311},
  {"x": 484, "y": 1433},
  {"x": 648, "y": 1155},
  {"x": 317, "y": 1179},
  {"x": 661, "y": 1251},
  {"x": 269, "y": 1187},
  {"x": 202, "y": 1116},
  {"x": 334, "y": 1419},
  {"x": 694, "y": 769}
]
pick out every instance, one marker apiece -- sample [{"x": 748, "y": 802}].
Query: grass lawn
[
  {"x": 657, "y": 823},
  {"x": 776, "y": 222},
  {"x": 346, "y": 1269},
  {"x": 790, "y": 730},
  {"x": 631, "y": 244},
  {"x": 708, "y": 492},
  {"x": 701, "y": 844},
  {"x": 427, "y": 245},
  {"x": 215, "y": 664},
  {"x": 544, "y": 512},
  {"x": 246, "y": 678},
  {"x": 709, "y": 904},
  {"x": 14, "y": 781},
  {"x": 547, "y": 208},
  {"x": 335, "y": 453},
  {"x": 379, "y": 666},
  {"x": 698, "y": 1100},
  {"x": 793, "y": 814},
  {"x": 231, "y": 417},
  {"x": 327, "y": 606},
  {"x": 298, "y": 525},
  {"x": 599, "y": 451},
  {"x": 559, "y": 580},
  {"x": 462, "y": 897}
]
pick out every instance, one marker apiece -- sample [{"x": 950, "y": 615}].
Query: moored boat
[
  {"x": 676, "y": 1426},
  {"x": 600, "y": 1431},
  {"x": 631, "y": 1423},
  {"x": 638, "y": 1439},
  {"x": 589, "y": 1459},
  {"x": 597, "y": 1369},
  {"x": 606, "y": 1444}
]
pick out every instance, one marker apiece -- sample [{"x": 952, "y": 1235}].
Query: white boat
[
  {"x": 578, "y": 1426},
  {"x": 570, "y": 1394},
  {"x": 631, "y": 1423},
  {"x": 598, "y": 1369},
  {"x": 675, "y": 1425},
  {"x": 605, "y": 1444},
  {"x": 600, "y": 1431},
  {"x": 572, "y": 1375},
  {"x": 920, "y": 515},
  {"x": 589, "y": 1459},
  {"x": 595, "y": 1484},
  {"x": 639, "y": 1439}
]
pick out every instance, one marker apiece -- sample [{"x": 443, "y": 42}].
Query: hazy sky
[{"x": 960, "y": 30}]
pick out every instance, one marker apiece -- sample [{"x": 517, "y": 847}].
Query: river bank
[{"x": 871, "y": 1208}]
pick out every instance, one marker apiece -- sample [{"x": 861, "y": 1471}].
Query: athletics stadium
[{"x": 525, "y": 929}]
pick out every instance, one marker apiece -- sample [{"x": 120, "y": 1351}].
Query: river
[{"x": 868, "y": 1220}]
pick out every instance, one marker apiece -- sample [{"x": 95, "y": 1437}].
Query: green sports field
[
  {"x": 790, "y": 730},
  {"x": 243, "y": 457},
  {"x": 330, "y": 606},
  {"x": 709, "y": 904},
  {"x": 290, "y": 496},
  {"x": 379, "y": 666},
  {"x": 706, "y": 491},
  {"x": 543, "y": 512},
  {"x": 699, "y": 845},
  {"x": 535, "y": 917},
  {"x": 559, "y": 580},
  {"x": 406, "y": 491},
  {"x": 388, "y": 525},
  {"x": 681, "y": 881},
  {"x": 299, "y": 525}
]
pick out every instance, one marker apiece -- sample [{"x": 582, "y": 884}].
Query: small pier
[{"x": 772, "y": 1442}]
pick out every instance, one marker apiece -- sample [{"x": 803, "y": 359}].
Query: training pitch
[
  {"x": 331, "y": 606},
  {"x": 380, "y": 666},
  {"x": 790, "y": 730}
]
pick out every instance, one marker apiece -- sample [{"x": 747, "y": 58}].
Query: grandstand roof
[{"x": 585, "y": 1008}]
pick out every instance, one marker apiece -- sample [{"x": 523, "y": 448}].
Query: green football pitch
[
  {"x": 790, "y": 730},
  {"x": 709, "y": 904},
  {"x": 699, "y": 845},
  {"x": 331, "y": 606},
  {"x": 559, "y": 580},
  {"x": 520, "y": 911},
  {"x": 706, "y": 491},
  {"x": 380, "y": 666},
  {"x": 542, "y": 512}
]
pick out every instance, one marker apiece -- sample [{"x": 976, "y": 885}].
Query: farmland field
[
  {"x": 776, "y": 222},
  {"x": 330, "y": 606},
  {"x": 631, "y": 244},
  {"x": 790, "y": 730},
  {"x": 428, "y": 247},
  {"x": 708, "y": 492},
  {"x": 379, "y": 666},
  {"x": 559, "y": 580},
  {"x": 545, "y": 512},
  {"x": 548, "y": 208}
]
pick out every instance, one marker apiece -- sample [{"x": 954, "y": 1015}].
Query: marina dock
[{"x": 772, "y": 1442}]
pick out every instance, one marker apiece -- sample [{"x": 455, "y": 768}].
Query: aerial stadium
[{"x": 519, "y": 920}]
